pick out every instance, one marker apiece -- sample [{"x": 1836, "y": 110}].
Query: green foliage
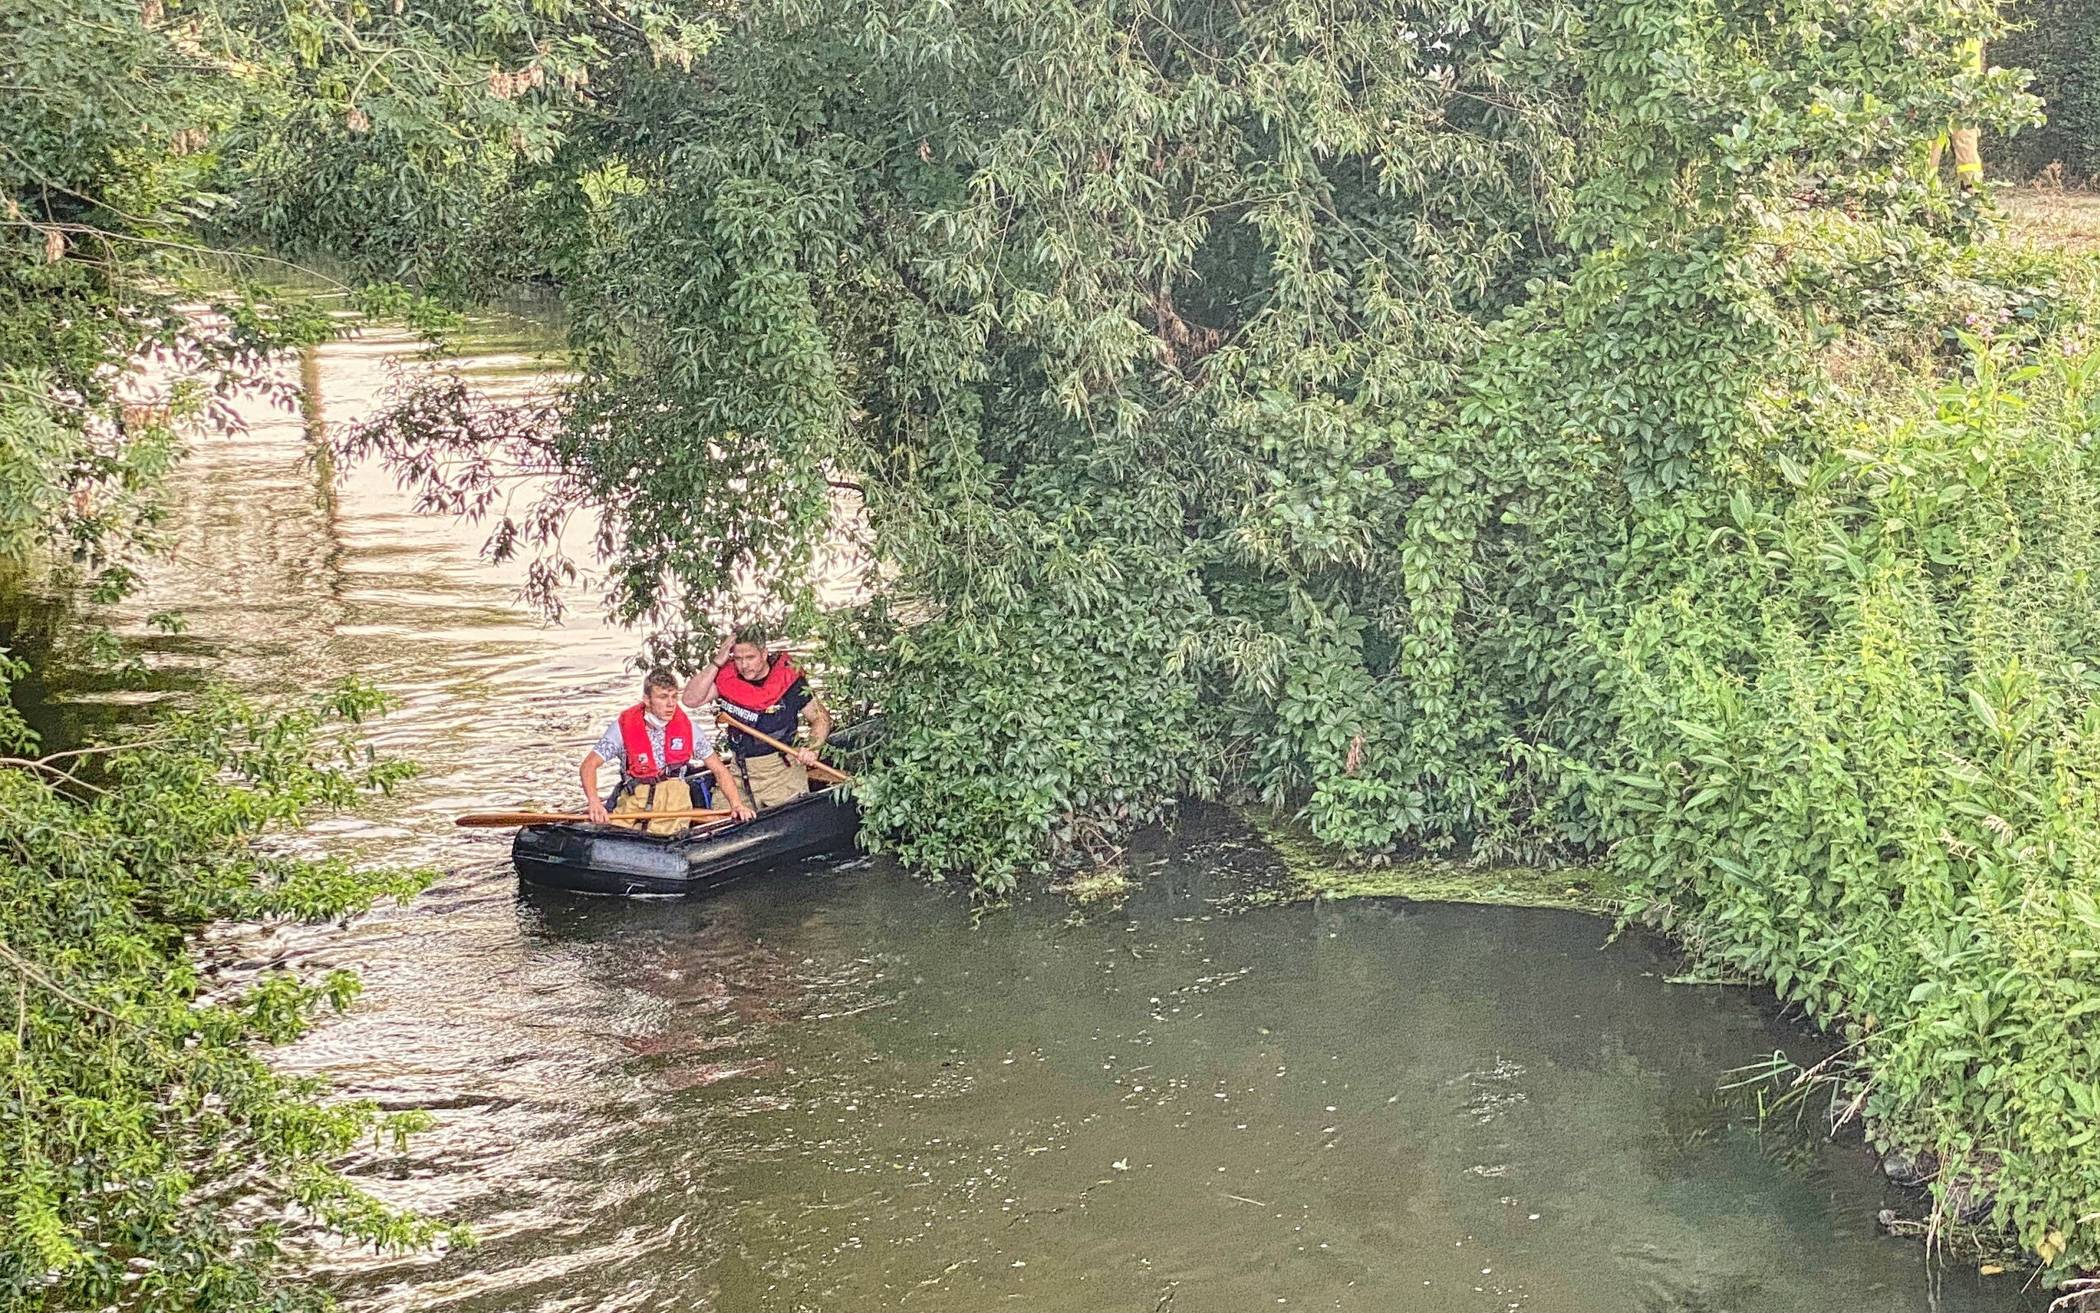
[
  {"x": 1068, "y": 721},
  {"x": 136, "y": 1094},
  {"x": 1340, "y": 347},
  {"x": 141, "y": 136},
  {"x": 2058, "y": 42},
  {"x": 1857, "y": 757},
  {"x": 433, "y": 143},
  {"x": 152, "y": 1158},
  {"x": 1485, "y": 428}
]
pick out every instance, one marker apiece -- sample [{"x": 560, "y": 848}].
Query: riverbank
[
  {"x": 2066, "y": 220},
  {"x": 1306, "y": 871}
]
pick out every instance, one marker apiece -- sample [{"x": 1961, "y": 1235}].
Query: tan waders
[
  {"x": 663, "y": 796},
  {"x": 773, "y": 779}
]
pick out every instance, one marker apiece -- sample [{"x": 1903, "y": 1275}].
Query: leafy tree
[
  {"x": 1437, "y": 417},
  {"x": 1234, "y": 396},
  {"x": 127, "y": 122},
  {"x": 154, "y": 1157}
]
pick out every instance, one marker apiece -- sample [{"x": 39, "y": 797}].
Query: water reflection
[
  {"x": 834, "y": 1092},
  {"x": 838, "y": 1092}
]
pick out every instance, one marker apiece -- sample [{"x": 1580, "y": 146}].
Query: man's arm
[
  {"x": 589, "y": 775},
  {"x": 725, "y": 788},
  {"x": 700, "y": 689},
  {"x": 819, "y": 729}
]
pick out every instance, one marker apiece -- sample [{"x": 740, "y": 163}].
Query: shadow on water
[
  {"x": 839, "y": 1090},
  {"x": 835, "y": 1091}
]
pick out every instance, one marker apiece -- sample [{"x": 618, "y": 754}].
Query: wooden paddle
[
  {"x": 557, "y": 818},
  {"x": 820, "y": 770}
]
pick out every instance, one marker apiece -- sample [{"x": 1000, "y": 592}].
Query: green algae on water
[
  {"x": 1103, "y": 885},
  {"x": 1318, "y": 871}
]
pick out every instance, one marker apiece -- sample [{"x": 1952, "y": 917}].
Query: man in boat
[
  {"x": 766, "y": 692},
  {"x": 658, "y": 753}
]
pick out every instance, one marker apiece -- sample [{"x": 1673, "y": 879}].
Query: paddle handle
[
  {"x": 557, "y": 818},
  {"x": 820, "y": 770}
]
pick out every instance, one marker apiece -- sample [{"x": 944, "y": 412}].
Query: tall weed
[{"x": 1859, "y": 756}]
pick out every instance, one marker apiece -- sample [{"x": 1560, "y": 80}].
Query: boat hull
[{"x": 610, "y": 859}]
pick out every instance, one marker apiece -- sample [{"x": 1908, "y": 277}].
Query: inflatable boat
[{"x": 611, "y": 859}]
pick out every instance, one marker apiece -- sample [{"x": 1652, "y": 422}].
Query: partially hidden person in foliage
[
  {"x": 660, "y": 761},
  {"x": 765, "y": 691}
]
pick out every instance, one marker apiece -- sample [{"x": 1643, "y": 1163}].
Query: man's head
[
  {"x": 660, "y": 693},
  {"x": 748, "y": 654}
]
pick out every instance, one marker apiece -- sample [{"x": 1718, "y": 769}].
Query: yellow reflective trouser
[
  {"x": 637, "y": 799},
  {"x": 773, "y": 779}
]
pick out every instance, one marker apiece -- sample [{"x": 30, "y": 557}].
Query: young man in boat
[
  {"x": 766, "y": 692},
  {"x": 657, "y": 751}
]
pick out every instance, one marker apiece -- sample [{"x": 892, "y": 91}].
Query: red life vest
[
  {"x": 641, "y": 758},
  {"x": 754, "y": 700}
]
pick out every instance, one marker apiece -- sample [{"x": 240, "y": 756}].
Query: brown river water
[{"x": 843, "y": 1091}]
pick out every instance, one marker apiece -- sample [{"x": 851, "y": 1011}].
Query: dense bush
[
  {"x": 137, "y": 1109},
  {"x": 1858, "y": 755},
  {"x": 1278, "y": 378},
  {"x": 2058, "y": 41}
]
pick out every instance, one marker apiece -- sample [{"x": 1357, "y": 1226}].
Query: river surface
[{"x": 845, "y": 1092}]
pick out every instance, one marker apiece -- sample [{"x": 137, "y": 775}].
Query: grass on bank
[{"x": 2052, "y": 217}]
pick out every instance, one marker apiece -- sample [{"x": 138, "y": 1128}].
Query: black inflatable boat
[{"x": 610, "y": 859}]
